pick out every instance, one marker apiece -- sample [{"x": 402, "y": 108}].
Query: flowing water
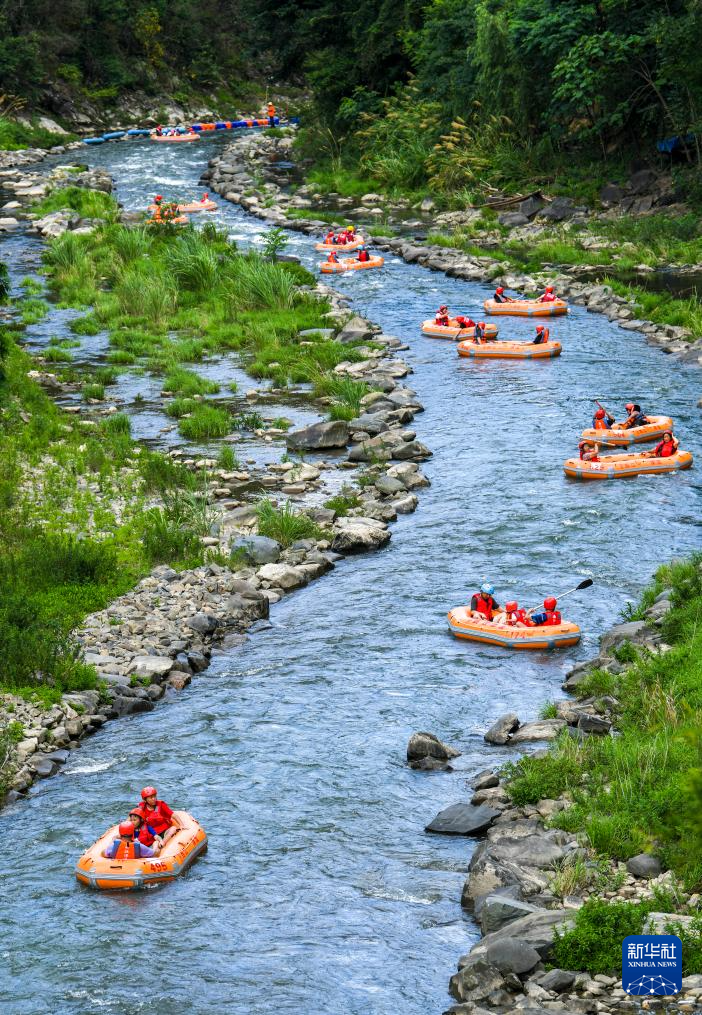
[{"x": 321, "y": 892}]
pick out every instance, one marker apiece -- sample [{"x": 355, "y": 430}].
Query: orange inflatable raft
[
  {"x": 462, "y": 625},
  {"x": 454, "y": 331},
  {"x": 341, "y": 247},
  {"x": 194, "y": 206},
  {"x": 509, "y": 350},
  {"x": 96, "y": 871},
  {"x": 175, "y": 138},
  {"x": 526, "y": 308},
  {"x": 623, "y": 438},
  {"x": 349, "y": 264},
  {"x": 621, "y": 466}
]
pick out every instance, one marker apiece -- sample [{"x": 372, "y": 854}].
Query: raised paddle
[{"x": 585, "y": 584}]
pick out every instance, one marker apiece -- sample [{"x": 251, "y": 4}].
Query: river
[{"x": 321, "y": 893}]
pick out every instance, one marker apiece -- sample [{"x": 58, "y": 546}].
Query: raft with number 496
[
  {"x": 621, "y": 466},
  {"x": 96, "y": 871},
  {"x": 634, "y": 435},
  {"x": 526, "y": 308},
  {"x": 454, "y": 331},
  {"x": 544, "y": 637},
  {"x": 509, "y": 350},
  {"x": 349, "y": 264}
]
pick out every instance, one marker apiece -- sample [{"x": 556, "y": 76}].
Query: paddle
[{"x": 585, "y": 584}]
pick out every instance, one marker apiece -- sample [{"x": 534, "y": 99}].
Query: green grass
[
  {"x": 186, "y": 382},
  {"x": 285, "y": 524},
  {"x": 205, "y": 422},
  {"x": 342, "y": 503},
  {"x": 643, "y": 788},
  {"x": 93, "y": 390},
  {"x": 86, "y": 203},
  {"x": 14, "y": 136},
  {"x": 661, "y": 308}
]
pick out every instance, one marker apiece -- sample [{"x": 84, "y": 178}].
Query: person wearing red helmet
[
  {"x": 500, "y": 297},
  {"x": 330, "y": 237},
  {"x": 513, "y": 616},
  {"x": 145, "y": 833},
  {"x": 542, "y": 335},
  {"x": 548, "y": 296},
  {"x": 479, "y": 333},
  {"x": 634, "y": 418},
  {"x": 443, "y": 318},
  {"x": 332, "y": 257},
  {"x": 126, "y": 847},
  {"x": 553, "y": 616},
  {"x": 602, "y": 420},
  {"x": 464, "y": 322},
  {"x": 157, "y": 814}
]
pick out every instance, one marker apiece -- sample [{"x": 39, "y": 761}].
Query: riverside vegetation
[{"x": 640, "y": 790}]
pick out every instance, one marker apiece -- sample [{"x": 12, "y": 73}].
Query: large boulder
[
  {"x": 152, "y": 667},
  {"x": 620, "y": 633},
  {"x": 501, "y": 730},
  {"x": 357, "y": 535},
  {"x": 557, "y": 980},
  {"x": 498, "y": 910},
  {"x": 355, "y": 330},
  {"x": 535, "y": 930},
  {"x": 425, "y": 747},
  {"x": 543, "y": 729},
  {"x": 463, "y": 819},
  {"x": 282, "y": 575},
  {"x": 527, "y": 851},
  {"x": 334, "y": 434},
  {"x": 512, "y": 955},
  {"x": 644, "y": 866},
  {"x": 476, "y": 980},
  {"x": 256, "y": 549}
]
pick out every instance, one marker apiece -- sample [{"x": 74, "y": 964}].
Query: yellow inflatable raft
[
  {"x": 509, "y": 350},
  {"x": 454, "y": 331},
  {"x": 621, "y": 466},
  {"x": 462, "y": 625},
  {"x": 349, "y": 264},
  {"x": 623, "y": 438},
  {"x": 526, "y": 308},
  {"x": 341, "y": 248},
  {"x": 96, "y": 871}
]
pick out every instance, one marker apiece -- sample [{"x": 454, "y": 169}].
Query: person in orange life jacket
[
  {"x": 602, "y": 419},
  {"x": 479, "y": 336},
  {"x": 442, "y": 316},
  {"x": 500, "y": 297},
  {"x": 665, "y": 448},
  {"x": 589, "y": 451},
  {"x": 363, "y": 254},
  {"x": 635, "y": 417},
  {"x": 271, "y": 114},
  {"x": 514, "y": 616},
  {"x": 541, "y": 335},
  {"x": 548, "y": 296},
  {"x": 464, "y": 322},
  {"x": 157, "y": 813},
  {"x": 553, "y": 616},
  {"x": 146, "y": 835},
  {"x": 333, "y": 257},
  {"x": 483, "y": 603},
  {"x": 330, "y": 237},
  {"x": 126, "y": 847}
]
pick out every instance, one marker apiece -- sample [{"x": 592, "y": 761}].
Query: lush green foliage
[
  {"x": 285, "y": 524},
  {"x": 643, "y": 788}
]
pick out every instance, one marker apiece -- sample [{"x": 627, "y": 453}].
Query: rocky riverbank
[
  {"x": 528, "y": 878},
  {"x": 246, "y": 174},
  {"x": 150, "y": 642}
]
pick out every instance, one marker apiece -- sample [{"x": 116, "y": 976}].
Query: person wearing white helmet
[{"x": 483, "y": 603}]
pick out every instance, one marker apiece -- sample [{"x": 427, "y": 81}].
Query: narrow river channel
[{"x": 321, "y": 893}]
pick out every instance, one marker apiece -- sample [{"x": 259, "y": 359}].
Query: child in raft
[
  {"x": 548, "y": 296},
  {"x": 542, "y": 335},
  {"x": 363, "y": 254},
  {"x": 589, "y": 451},
  {"x": 157, "y": 814},
  {"x": 332, "y": 257},
  {"x": 665, "y": 448},
  {"x": 513, "y": 616}
]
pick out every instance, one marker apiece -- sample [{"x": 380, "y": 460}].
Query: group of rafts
[
  {"x": 479, "y": 339},
  {"x": 170, "y": 211}
]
